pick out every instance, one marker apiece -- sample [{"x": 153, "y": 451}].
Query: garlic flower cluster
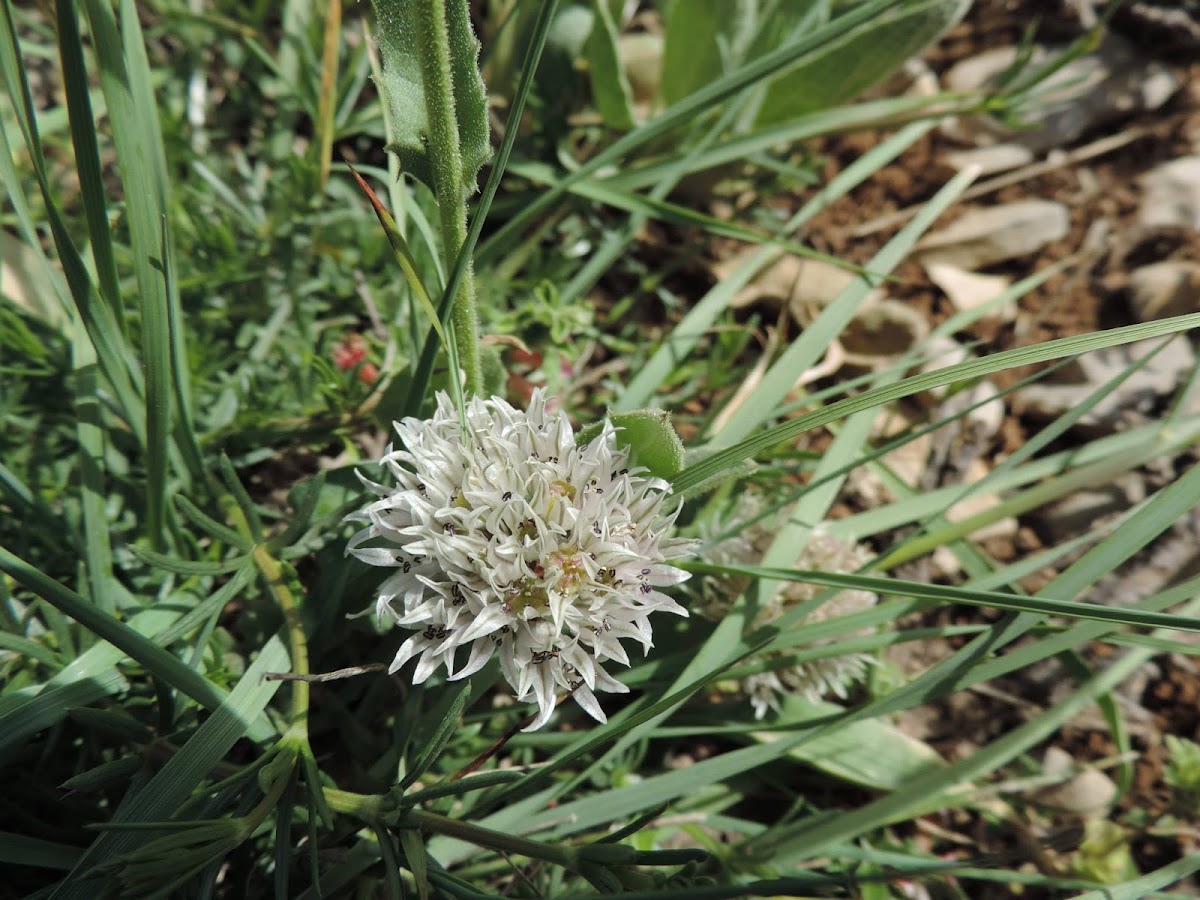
[
  {"x": 715, "y": 596},
  {"x": 508, "y": 539}
]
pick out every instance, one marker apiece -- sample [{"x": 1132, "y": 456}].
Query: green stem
[
  {"x": 277, "y": 579},
  {"x": 372, "y": 807},
  {"x": 276, "y": 575},
  {"x": 285, "y": 763},
  {"x": 433, "y": 42},
  {"x": 486, "y": 837}
]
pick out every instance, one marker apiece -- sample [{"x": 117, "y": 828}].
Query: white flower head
[
  {"x": 833, "y": 674},
  {"x": 512, "y": 540}
]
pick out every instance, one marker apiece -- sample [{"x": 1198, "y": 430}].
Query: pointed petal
[
  {"x": 546, "y": 702},
  {"x": 606, "y": 682},
  {"x": 589, "y": 704},
  {"x": 481, "y": 652},
  {"x": 407, "y": 651},
  {"x": 485, "y": 623},
  {"x": 430, "y": 660}
]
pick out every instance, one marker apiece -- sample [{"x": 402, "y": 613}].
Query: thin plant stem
[
  {"x": 373, "y": 807},
  {"x": 277, "y": 577}
]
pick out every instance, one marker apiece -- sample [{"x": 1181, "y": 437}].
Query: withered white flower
[
  {"x": 512, "y": 540},
  {"x": 833, "y": 674}
]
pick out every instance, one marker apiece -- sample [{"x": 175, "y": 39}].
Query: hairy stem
[{"x": 446, "y": 163}]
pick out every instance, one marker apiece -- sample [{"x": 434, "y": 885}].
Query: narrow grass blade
[
  {"x": 329, "y": 82},
  {"x": 187, "y": 566},
  {"x": 29, "y": 715},
  {"x": 141, "y": 649},
  {"x": 1043, "y": 606},
  {"x": 814, "y": 340},
  {"x": 413, "y": 845},
  {"x": 997, "y": 362},
  {"x": 124, "y": 78},
  {"x": 1142, "y": 443},
  {"x": 1146, "y": 885},
  {"x": 20, "y": 850},
  {"x": 681, "y": 113},
  {"x": 87, "y": 156},
  {"x": 183, "y": 772},
  {"x": 650, "y": 207},
  {"x": 449, "y": 714},
  {"x": 90, "y": 676},
  {"x": 684, "y": 337},
  {"x": 408, "y": 265},
  {"x": 463, "y": 786},
  {"x": 610, "y": 87},
  {"x": 116, "y": 358},
  {"x": 932, "y": 790},
  {"x": 948, "y": 532},
  {"x": 858, "y": 117},
  {"x": 89, "y": 430}
]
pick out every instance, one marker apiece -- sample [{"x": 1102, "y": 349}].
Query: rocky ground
[{"x": 1102, "y": 185}]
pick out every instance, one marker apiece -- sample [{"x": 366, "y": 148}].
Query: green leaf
[
  {"x": 404, "y": 256},
  {"x": 949, "y": 594},
  {"x": 651, "y": 439},
  {"x": 1148, "y": 884},
  {"x": 186, "y": 566},
  {"x": 413, "y": 846},
  {"x": 448, "y": 715},
  {"x": 463, "y": 786},
  {"x": 118, "y": 770},
  {"x": 19, "y": 850},
  {"x": 610, "y": 87},
  {"x": 681, "y": 112},
  {"x": 641, "y": 387},
  {"x": 403, "y": 88},
  {"x": 89, "y": 677},
  {"x": 303, "y": 499},
  {"x": 996, "y": 362},
  {"x": 125, "y": 79},
  {"x": 116, "y": 357},
  {"x": 648, "y": 435},
  {"x": 848, "y": 65},
  {"x": 693, "y": 34},
  {"x": 183, "y": 772},
  {"x": 144, "y": 651},
  {"x": 870, "y": 752}
]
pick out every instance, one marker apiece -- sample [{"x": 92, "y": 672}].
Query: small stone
[
  {"x": 1164, "y": 289},
  {"x": 1130, "y": 403},
  {"x": 981, "y": 69},
  {"x": 1172, "y": 195},
  {"x": 986, "y": 409},
  {"x": 805, "y": 285},
  {"x": 979, "y": 503},
  {"x": 985, "y": 420},
  {"x": 941, "y": 352},
  {"x": 881, "y": 330},
  {"x": 971, "y": 290},
  {"x": 1077, "y": 513},
  {"x": 641, "y": 55},
  {"x": 996, "y": 233},
  {"x": 1088, "y": 793},
  {"x": 991, "y": 159},
  {"x": 1090, "y": 91}
]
